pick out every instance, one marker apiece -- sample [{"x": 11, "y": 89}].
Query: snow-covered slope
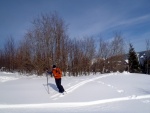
[{"x": 100, "y": 93}]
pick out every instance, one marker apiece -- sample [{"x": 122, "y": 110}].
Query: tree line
[{"x": 47, "y": 43}]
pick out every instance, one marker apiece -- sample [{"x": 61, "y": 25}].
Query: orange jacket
[{"x": 57, "y": 73}]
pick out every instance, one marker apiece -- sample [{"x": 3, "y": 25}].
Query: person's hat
[{"x": 54, "y": 66}]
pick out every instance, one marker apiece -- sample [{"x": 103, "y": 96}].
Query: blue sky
[{"x": 84, "y": 18}]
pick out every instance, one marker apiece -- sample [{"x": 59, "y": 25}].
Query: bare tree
[
  {"x": 48, "y": 40},
  {"x": 103, "y": 54},
  {"x": 2, "y": 59},
  {"x": 111, "y": 54},
  {"x": 88, "y": 50},
  {"x": 104, "y": 49},
  {"x": 117, "y": 45},
  {"x": 10, "y": 54},
  {"x": 147, "y": 56},
  {"x": 117, "y": 52}
]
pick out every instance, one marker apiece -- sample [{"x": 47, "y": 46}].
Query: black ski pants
[{"x": 59, "y": 86}]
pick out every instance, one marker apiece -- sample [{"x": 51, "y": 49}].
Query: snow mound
[{"x": 7, "y": 78}]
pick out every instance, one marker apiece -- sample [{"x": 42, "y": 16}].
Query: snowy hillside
[{"x": 100, "y": 93}]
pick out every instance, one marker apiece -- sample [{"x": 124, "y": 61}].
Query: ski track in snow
[
  {"x": 75, "y": 104},
  {"x": 77, "y": 86},
  {"x": 113, "y": 87}
]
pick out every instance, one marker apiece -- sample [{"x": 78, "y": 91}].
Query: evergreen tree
[{"x": 134, "y": 66}]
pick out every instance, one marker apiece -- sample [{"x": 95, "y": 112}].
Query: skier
[{"x": 57, "y": 75}]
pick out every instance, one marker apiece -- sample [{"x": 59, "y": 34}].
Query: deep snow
[{"x": 100, "y": 93}]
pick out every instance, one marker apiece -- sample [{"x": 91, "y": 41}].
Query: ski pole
[
  {"x": 47, "y": 83},
  {"x": 47, "y": 78}
]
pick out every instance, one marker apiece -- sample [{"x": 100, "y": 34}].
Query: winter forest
[{"x": 47, "y": 42}]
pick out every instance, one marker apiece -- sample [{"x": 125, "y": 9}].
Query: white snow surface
[{"x": 99, "y": 93}]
